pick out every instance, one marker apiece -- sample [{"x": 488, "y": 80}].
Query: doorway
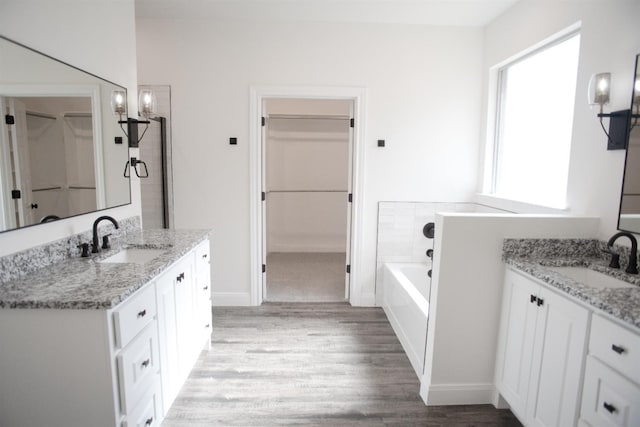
[{"x": 307, "y": 146}]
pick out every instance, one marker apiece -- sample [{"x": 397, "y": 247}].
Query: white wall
[
  {"x": 466, "y": 296},
  {"x": 423, "y": 99},
  {"x": 610, "y": 40},
  {"x": 97, "y": 36}
]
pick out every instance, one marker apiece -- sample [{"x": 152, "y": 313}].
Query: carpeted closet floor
[{"x": 309, "y": 277}]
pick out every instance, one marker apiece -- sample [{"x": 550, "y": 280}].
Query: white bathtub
[{"x": 405, "y": 301}]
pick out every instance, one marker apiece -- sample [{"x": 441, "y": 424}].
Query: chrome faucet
[
  {"x": 95, "y": 246},
  {"x": 632, "y": 268}
]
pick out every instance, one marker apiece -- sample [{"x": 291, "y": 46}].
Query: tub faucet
[
  {"x": 632, "y": 268},
  {"x": 95, "y": 246}
]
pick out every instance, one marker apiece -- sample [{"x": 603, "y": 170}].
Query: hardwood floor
[{"x": 311, "y": 364}]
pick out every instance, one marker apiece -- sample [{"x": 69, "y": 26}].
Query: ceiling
[{"x": 422, "y": 12}]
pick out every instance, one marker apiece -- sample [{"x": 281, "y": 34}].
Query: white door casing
[{"x": 257, "y": 95}]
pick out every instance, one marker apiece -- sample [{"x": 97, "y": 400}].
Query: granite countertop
[
  {"x": 84, "y": 283},
  {"x": 621, "y": 303}
]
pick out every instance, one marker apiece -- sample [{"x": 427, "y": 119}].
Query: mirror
[
  {"x": 62, "y": 152},
  {"x": 629, "y": 219}
]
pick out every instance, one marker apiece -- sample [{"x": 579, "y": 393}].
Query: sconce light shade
[
  {"x": 599, "y": 89},
  {"x": 147, "y": 103},
  {"x": 119, "y": 102}
]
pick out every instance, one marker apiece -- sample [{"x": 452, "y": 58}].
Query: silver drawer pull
[
  {"x": 180, "y": 277},
  {"x": 207, "y": 325},
  {"x": 142, "y": 313},
  {"x": 617, "y": 349},
  {"x": 146, "y": 363},
  {"x": 149, "y": 421},
  {"x": 205, "y": 288},
  {"x": 204, "y": 256}
]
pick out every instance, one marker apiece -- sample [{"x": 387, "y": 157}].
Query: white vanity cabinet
[
  {"x": 540, "y": 352},
  {"x": 118, "y": 367},
  {"x": 611, "y": 393},
  {"x": 184, "y": 313}
]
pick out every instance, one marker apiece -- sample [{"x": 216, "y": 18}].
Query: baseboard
[
  {"x": 456, "y": 394},
  {"x": 230, "y": 299},
  {"x": 368, "y": 300}
]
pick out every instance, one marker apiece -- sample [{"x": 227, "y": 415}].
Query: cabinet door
[
  {"x": 517, "y": 338},
  {"x": 186, "y": 311},
  {"x": 559, "y": 352},
  {"x": 167, "y": 339}
]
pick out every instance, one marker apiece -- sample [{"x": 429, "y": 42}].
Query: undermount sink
[
  {"x": 133, "y": 256},
  {"x": 591, "y": 278}
]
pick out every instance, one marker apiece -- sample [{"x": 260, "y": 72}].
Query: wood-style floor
[{"x": 311, "y": 364}]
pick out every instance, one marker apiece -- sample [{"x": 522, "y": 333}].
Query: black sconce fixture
[
  {"x": 147, "y": 105},
  {"x": 619, "y": 121},
  {"x": 133, "y": 164}
]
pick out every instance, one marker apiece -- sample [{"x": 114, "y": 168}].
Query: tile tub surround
[
  {"x": 21, "y": 263},
  {"x": 84, "y": 283},
  {"x": 534, "y": 255}
]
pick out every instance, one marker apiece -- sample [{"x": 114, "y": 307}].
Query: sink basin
[
  {"x": 133, "y": 256},
  {"x": 591, "y": 278}
]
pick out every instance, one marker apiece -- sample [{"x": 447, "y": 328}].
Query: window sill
[{"x": 516, "y": 206}]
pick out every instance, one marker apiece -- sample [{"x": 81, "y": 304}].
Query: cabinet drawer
[
  {"x": 134, "y": 315},
  {"x": 608, "y": 398},
  {"x": 138, "y": 367},
  {"x": 202, "y": 256},
  {"x": 616, "y": 346},
  {"x": 147, "y": 412}
]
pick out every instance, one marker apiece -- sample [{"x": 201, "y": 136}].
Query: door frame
[
  {"x": 259, "y": 93},
  {"x": 61, "y": 90}
]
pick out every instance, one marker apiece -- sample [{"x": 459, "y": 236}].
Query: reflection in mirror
[
  {"x": 59, "y": 151},
  {"x": 629, "y": 219}
]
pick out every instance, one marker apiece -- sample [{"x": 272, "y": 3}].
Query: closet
[
  {"x": 52, "y": 157},
  {"x": 306, "y": 148}
]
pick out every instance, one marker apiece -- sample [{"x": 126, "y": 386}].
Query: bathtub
[{"x": 405, "y": 301}]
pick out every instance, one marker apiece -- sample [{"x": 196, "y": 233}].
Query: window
[{"x": 536, "y": 96}]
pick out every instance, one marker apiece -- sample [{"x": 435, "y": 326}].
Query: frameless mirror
[
  {"x": 62, "y": 151},
  {"x": 629, "y": 219}
]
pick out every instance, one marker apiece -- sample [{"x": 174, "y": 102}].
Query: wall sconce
[
  {"x": 147, "y": 102},
  {"x": 599, "y": 94}
]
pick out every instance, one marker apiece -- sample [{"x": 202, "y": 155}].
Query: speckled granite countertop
[
  {"x": 621, "y": 303},
  {"x": 84, "y": 283}
]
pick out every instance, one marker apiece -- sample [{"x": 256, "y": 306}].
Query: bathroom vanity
[
  {"x": 569, "y": 342},
  {"x": 109, "y": 340}
]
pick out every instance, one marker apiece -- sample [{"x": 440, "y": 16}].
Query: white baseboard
[
  {"x": 456, "y": 394},
  {"x": 368, "y": 300},
  {"x": 230, "y": 299}
]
